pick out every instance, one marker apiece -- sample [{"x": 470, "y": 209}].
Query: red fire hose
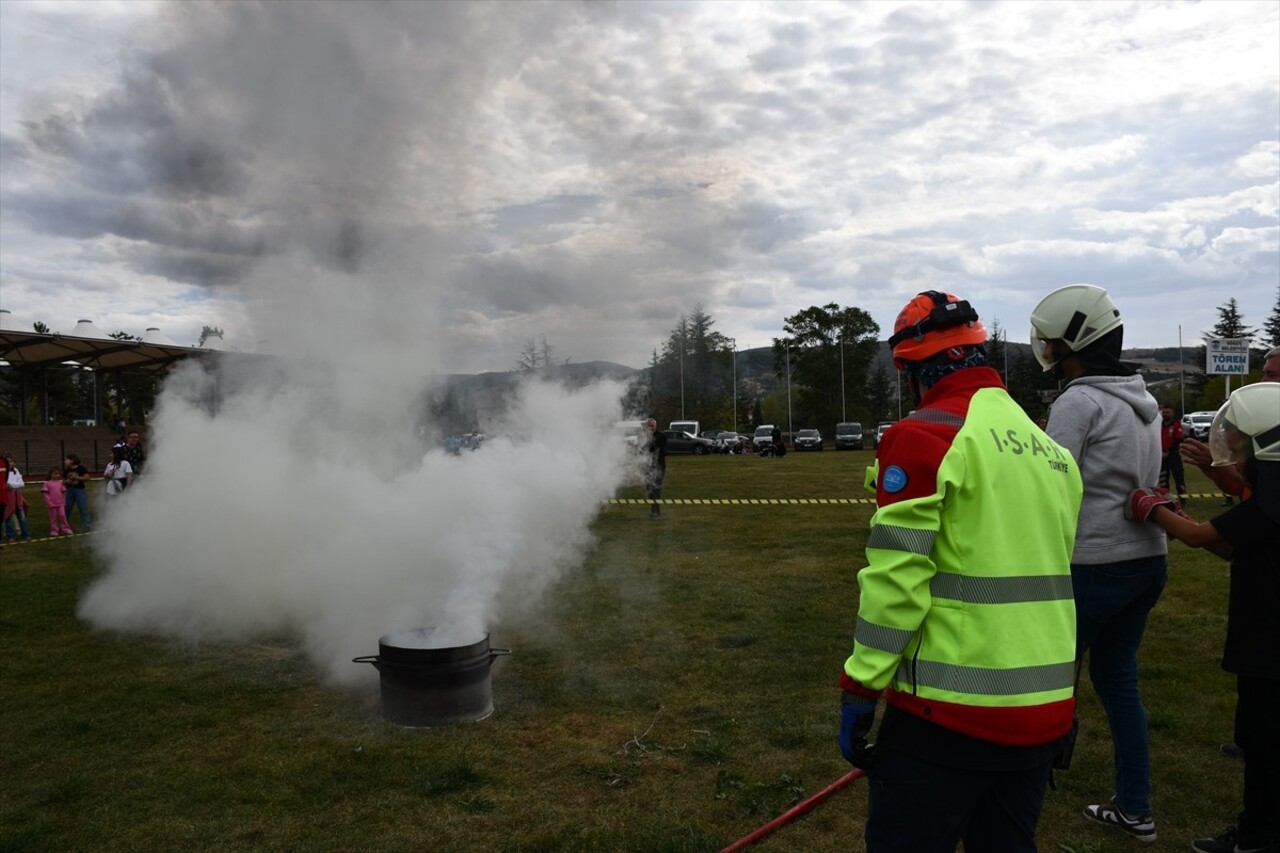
[{"x": 794, "y": 812}]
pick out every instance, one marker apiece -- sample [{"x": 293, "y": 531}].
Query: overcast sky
[{"x": 459, "y": 178}]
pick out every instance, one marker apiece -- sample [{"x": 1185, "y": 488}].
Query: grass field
[{"x": 673, "y": 694}]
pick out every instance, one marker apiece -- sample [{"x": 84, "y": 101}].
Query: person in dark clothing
[
  {"x": 1171, "y": 436},
  {"x": 75, "y": 476},
  {"x": 134, "y": 453},
  {"x": 1246, "y": 432},
  {"x": 657, "y": 448}
]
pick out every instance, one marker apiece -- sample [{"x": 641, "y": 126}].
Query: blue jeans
[
  {"x": 1112, "y": 603},
  {"x": 79, "y": 499},
  {"x": 917, "y": 806},
  {"x": 9, "y": 529}
]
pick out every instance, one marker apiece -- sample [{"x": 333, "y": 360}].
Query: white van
[
  {"x": 763, "y": 436},
  {"x": 691, "y": 427}
]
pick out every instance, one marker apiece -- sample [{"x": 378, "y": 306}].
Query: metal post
[
  {"x": 1004, "y": 337},
  {"x": 844, "y": 415},
  {"x": 1182, "y": 379},
  {"x": 682, "y": 376},
  {"x": 735, "y": 386},
  {"x": 788, "y": 343}
]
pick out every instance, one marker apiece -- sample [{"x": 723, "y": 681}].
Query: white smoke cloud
[
  {"x": 272, "y": 508},
  {"x": 326, "y": 165}
]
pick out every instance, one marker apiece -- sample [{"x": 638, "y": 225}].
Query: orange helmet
[{"x": 931, "y": 323}]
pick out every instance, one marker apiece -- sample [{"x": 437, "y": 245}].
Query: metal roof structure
[{"x": 89, "y": 347}]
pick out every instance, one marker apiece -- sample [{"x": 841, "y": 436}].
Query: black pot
[{"x": 425, "y": 683}]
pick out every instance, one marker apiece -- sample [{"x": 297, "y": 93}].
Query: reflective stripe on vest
[
  {"x": 976, "y": 680},
  {"x": 882, "y": 637},
  {"x": 937, "y": 416},
  {"x": 891, "y": 537},
  {"x": 1004, "y": 590}
]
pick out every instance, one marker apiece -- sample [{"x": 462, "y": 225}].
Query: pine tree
[
  {"x": 1271, "y": 329},
  {"x": 692, "y": 376},
  {"x": 1231, "y": 323}
]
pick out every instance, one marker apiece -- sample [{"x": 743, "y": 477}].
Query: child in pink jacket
[{"x": 55, "y": 498}]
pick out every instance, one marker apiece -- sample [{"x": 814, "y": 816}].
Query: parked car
[
  {"x": 728, "y": 442},
  {"x": 1196, "y": 425},
  {"x": 763, "y": 436},
  {"x": 881, "y": 429},
  {"x": 807, "y": 439},
  {"x": 848, "y": 435},
  {"x": 679, "y": 441},
  {"x": 691, "y": 427}
]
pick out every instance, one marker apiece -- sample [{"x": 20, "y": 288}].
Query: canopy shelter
[
  {"x": 32, "y": 353},
  {"x": 31, "y": 349}
]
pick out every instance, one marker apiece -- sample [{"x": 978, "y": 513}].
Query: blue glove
[{"x": 856, "y": 716}]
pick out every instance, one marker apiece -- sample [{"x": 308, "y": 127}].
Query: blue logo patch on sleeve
[{"x": 894, "y": 479}]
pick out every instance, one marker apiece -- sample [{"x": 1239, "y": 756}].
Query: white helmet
[
  {"x": 1252, "y": 412},
  {"x": 1077, "y": 315}
]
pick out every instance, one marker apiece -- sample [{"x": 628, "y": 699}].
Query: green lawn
[{"x": 673, "y": 694}]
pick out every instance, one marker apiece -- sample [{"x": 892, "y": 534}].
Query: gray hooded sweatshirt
[{"x": 1111, "y": 425}]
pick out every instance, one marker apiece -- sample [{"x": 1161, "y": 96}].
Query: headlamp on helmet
[{"x": 931, "y": 323}]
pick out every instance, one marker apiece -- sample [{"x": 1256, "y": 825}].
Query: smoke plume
[
  {"x": 268, "y": 510},
  {"x": 331, "y": 162}
]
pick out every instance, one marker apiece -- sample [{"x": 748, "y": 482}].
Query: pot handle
[
  {"x": 373, "y": 659},
  {"x": 497, "y": 653}
]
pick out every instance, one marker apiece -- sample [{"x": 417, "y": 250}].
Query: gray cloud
[{"x": 576, "y": 169}]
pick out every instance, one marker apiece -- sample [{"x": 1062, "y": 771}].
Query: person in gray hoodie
[{"x": 1111, "y": 425}]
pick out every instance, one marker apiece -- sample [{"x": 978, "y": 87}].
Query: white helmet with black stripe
[
  {"x": 1252, "y": 415},
  {"x": 1077, "y": 315}
]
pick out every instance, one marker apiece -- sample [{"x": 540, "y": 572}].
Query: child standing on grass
[
  {"x": 1245, "y": 432},
  {"x": 15, "y": 505},
  {"x": 55, "y": 498}
]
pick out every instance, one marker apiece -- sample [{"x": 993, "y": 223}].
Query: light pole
[
  {"x": 1182, "y": 380},
  {"x": 788, "y": 343},
  {"x": 681, "y": 374},
  {"x": 735, "y": 386},
  {"x": 844, "y": 416},
  {"x": 1004, "y": 346}
]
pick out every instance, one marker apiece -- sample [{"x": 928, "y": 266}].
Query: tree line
[{"x": 829, "y": 365}]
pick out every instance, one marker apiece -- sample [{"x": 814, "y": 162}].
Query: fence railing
[{"x": 36, "y": 453}]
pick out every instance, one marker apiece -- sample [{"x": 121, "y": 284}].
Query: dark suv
[
  {"x": 849, "y": 436},
  {"x": 807, "y": 439}
]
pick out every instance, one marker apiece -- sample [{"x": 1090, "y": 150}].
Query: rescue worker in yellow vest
[{"x": 966, "y": 621}]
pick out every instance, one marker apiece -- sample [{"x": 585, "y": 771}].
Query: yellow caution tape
[{"x": 34, "y": 539}]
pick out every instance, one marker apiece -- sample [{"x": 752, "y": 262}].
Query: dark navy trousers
[{"x": 921, "y": 807}]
